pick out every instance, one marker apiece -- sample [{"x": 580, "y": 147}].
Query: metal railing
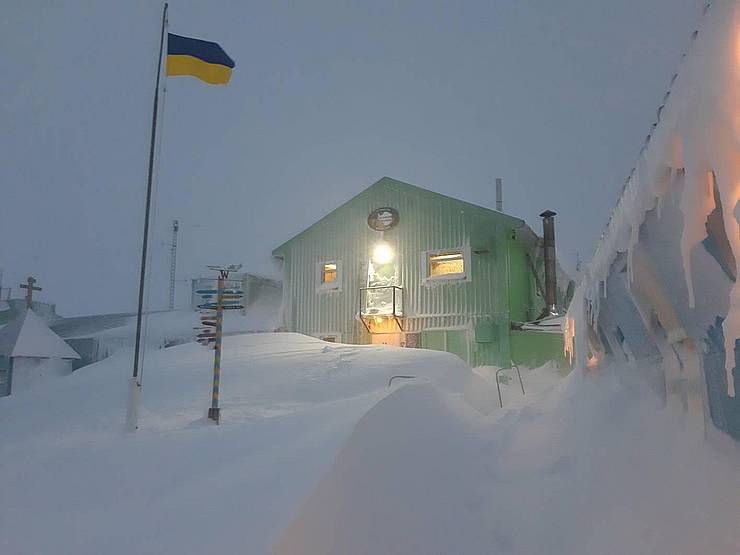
[
  {"x": 498, "y": 384},
  {"x": 396, "y": 304},
  {"x": 400, "y": 377}
]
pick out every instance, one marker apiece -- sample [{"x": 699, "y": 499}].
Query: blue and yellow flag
[{"x": 198, "y": 58}]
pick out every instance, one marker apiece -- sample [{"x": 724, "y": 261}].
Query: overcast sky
[{"x": 326, "y": 97}]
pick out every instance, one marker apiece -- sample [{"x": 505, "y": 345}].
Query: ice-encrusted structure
[{"x": 663, "y": 282}]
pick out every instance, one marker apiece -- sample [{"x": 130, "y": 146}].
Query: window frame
[
  {"x": 336, "y": 284},
  {"x": 464, "y": 276},
  {"x": 326, "y": 268}
]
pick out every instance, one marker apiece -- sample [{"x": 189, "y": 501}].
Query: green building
[{"x": 401, "y": 265}]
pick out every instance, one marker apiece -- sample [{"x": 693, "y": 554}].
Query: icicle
[{"x": 634, "y": 237}]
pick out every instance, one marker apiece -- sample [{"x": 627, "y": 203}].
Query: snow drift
[
  {"x": 75, "y": 483},
  {"x": 597, "y": 468}
]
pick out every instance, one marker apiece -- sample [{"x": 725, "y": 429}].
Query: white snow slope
[
  {"x": 317, "y": 455},
  {"x": 595, "y": 468},
  {"x": 72, "y": 481}
]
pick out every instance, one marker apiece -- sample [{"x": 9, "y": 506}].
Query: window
[
  {"x": 329, "y": 272},
  {"x": 449, "y": 264},
  {"x": 446, "y": 265},
  {"x": 329, "y": 276}
]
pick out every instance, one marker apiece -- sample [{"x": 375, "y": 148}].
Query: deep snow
[
  {"x": 595, "y": 468},
  {"x": 74, "y": 482},
  {"x": 317, "y": 455}
]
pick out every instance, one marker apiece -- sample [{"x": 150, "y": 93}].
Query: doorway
[{"x": 392, "y": 339}]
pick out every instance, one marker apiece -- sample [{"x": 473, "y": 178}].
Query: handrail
[
  {"x": 380, "y": 287},
  {"x": 400, "y": 376},
  {"x": 394, "y": 314},
  {"x": 498, "y": 384}
]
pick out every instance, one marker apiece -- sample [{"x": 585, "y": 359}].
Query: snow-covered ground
[
  {"x": 317, "y": 455},
  {"x": 594, "y": 467},
  {"x": 74, "y": 482}
]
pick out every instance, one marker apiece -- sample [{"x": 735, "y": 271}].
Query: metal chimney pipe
[
  {"x": 499, "y": 194},
  {"x": 551, "y": 280}
]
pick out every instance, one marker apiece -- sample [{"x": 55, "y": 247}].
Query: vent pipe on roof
[
  {"x": 551, "y": 280},
  {"x": 499, "y": 194}
]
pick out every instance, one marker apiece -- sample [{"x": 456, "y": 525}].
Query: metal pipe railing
[
  {"x": 498, "y": 384},
  {"x": 394, "y": 304}
]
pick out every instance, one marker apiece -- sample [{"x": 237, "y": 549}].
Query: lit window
[
  {"x": 449, "y": 263},
  {"x": 329, "y": 276},
  {"x": 329, "y": 272}
]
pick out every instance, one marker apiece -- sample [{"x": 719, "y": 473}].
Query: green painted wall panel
[
  {"x": 457, "y": 343},
  {"x": 485, "y": 331},
  {"x": 433, "y": 340},
  {"x": 533, "y": 349},
  {"x": 519, "y": 284}
]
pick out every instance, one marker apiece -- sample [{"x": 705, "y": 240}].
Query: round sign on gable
[{"x": 383, "y": 219}]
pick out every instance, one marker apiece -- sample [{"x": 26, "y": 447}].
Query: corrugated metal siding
[{"x": 427, "y": 222}]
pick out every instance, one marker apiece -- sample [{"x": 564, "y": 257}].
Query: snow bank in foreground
[
  {"x": 74, "y": 483},
  {"x": 596, "y": 468}
]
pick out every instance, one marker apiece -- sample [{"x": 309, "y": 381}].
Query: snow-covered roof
[
  {"x": 29, "y": 336},
  {"x": 86, "y": 326}
]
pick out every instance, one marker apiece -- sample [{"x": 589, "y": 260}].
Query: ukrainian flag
[{"x": 198, "y": 58}]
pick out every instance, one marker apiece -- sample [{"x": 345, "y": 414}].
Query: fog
[{"x": 326, "y": 98}]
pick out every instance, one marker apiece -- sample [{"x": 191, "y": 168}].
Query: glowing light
[
  {"x": 378, "y": 320},
  {"x": 570, "y": 338},
  {"x": 383, "y": 253},
  {"x": 448, "y": 263}
]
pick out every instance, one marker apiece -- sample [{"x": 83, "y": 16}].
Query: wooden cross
[{"x": 30, "y": 288}]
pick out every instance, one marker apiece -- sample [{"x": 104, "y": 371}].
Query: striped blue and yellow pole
[{"x": 214, "y": 413}]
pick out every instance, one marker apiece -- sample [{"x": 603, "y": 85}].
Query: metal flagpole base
[
  {"x": 214, "y": 414},
  {"x": 132, "y": 411}
]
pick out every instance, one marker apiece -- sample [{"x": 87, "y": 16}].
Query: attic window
[
  {"x": 329, "y": 272},
  {"x": 447, "y": 264}
]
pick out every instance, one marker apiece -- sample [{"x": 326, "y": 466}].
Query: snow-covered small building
[{"x": 33, "y": 352}]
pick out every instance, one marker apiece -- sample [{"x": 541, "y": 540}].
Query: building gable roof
[
  {"x": 394, "y": 183},
  {"x": 29, "y": 336}
]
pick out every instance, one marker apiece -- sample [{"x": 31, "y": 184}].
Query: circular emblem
[{"x": 383, "y": 219}]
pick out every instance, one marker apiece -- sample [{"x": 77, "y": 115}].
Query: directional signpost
[{"x": 211, "y": 329}]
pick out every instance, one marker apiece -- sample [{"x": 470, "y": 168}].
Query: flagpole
[{"x": 132, "y": 417}]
